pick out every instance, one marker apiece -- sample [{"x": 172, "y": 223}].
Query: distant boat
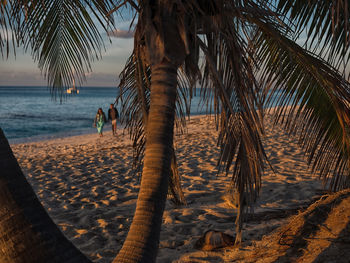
[{"x": 73, "y": 89}]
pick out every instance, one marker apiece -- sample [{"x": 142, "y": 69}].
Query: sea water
[{"x": 32, "y": 113}]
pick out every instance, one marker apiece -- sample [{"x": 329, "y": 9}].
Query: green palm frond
[
  {"x": 8, "y": 37},
  {"x": 63, "y": 36},
  {"x": 135, "y": 100},
  {"x": 247, "y": 43},
  {"x": 236, "y": 65},
  {"x": 5, "y": 28},
  {"x": 327, "y": 23},
  {"x": 229, "y": 73},
  {"x": 313, "y": 101}
]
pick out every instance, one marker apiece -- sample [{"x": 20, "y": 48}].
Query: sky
[{"x": 22, "y": 70}]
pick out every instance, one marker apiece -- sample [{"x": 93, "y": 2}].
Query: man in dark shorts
[{"x": 113, "y": 116}]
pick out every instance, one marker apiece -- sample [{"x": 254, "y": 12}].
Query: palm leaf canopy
[
  {"x": 63, "y": 36},
  {"x": 233, "y": 49},
  {"x": 6, "y": 32},
  {"x": 328, "y": 27},
  {"x": 242, "y": 53}
]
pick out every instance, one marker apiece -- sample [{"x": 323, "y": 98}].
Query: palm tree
[
  {"x": 27, "y": 233},
  {"x": 242, "y": 52},
  {"x": 231, "y": 63}
]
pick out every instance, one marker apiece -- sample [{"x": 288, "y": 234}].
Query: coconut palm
[
  {"x": 27, "y": 233},
  {"x": 241, "y": 53}
]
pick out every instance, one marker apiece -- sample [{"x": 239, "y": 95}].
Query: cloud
[
  {"x": 88, "y": 74},
  {"x": 22, "y": 70},
  {"x": 99, "y": 79},
  {"x": 24, "y": 78},
  {"x": 13, "y": 78},
  {"x": 119, "y": 33}
]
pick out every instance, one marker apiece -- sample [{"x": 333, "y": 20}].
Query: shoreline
[
  {"x": 49, "y": 137},
  {"x": 91, "y": 130},
  {"x": 74, "y": 133}
]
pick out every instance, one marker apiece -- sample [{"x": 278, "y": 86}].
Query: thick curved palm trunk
[
  {"x": 27, "y": 233},
  {"x": 141, "y": 244}
]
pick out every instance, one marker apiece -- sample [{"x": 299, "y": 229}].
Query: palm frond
[
  {"x": 135, "y": 100},
  {"x": 63, "y": 36},
  {"x": 229, "y": 73},
  {"x": 328, "y": 27},
  {"x": 313, "y": 101},
  {"x": 8, "y": 37}
]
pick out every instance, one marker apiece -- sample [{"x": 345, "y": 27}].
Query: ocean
[{"x": 32, "y": 114}]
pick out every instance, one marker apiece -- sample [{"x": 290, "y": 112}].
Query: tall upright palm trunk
[
  {"x": 142, "y": 241},
  {"x": 27, "y": 234}
]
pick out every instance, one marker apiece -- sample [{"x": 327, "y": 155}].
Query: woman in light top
[{"x": 99, "y": 121}]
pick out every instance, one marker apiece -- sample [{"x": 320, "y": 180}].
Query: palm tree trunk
[
  {"x": 141, "y": 244},
  {"x": 27, "y": 233}
]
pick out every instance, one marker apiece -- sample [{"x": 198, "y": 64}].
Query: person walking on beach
[
  {"x": 113, "y": 116},
  {"x": 99, "y": 121}
]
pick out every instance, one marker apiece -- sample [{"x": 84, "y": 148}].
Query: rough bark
[
  {"x": 141, "y": 244},
  {"x": 27, "y": 233}
]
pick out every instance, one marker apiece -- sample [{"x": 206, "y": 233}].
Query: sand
[
  {"x": 89, "y": 187},
  {"x": 319, "y": 234}
]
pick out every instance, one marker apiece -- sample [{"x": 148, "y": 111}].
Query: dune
[
  {"x": 89, "y": 187},
  {"x": 321, "y": 233}
]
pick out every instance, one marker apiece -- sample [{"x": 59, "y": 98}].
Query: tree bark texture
[
  {"x": 27, "y": 233},
  {"x": 141, "y": 244}
]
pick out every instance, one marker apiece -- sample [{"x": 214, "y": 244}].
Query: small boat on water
[{"x": 73, "y": 89}]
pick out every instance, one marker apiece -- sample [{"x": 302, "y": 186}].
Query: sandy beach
[{"x": 89, "y": 187}]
